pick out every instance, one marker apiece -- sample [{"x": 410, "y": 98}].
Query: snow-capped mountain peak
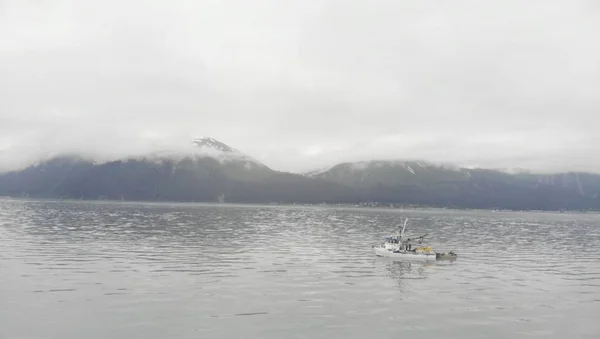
[
  {"x": 201, "y": 148},
  {"x": 211, "y": 143},
  {"x": 211, "y": 147}
]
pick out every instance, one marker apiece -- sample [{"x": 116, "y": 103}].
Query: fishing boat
[{"x": 401, "y": 247}]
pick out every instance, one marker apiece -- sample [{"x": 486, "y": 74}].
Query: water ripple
[{"x": 177, "y": 270}]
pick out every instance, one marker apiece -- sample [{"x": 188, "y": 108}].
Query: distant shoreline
[{"x": 380, "y": 207}]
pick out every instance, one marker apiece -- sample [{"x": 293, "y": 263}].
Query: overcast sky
[{"x": 304, "y": 84}]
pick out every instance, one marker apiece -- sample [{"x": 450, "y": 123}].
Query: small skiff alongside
[{"x": 446, "y": 256}]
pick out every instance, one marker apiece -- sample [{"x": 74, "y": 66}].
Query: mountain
[
  {"x": 209, "y": 170},
  {"x": 419, "y": 182},
  {"x": 366, "y": 174}
]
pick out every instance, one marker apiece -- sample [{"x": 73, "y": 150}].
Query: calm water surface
[{"x": 109, "y": 270}]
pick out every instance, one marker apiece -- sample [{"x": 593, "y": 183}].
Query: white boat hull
[
  {"x": 383, "y": 252},
  {"x": 391, "y": 246}
]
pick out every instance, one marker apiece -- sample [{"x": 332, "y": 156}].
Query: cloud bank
[{"x": 300, "y": 85}]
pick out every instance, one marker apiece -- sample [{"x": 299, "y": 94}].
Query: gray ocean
[{"x": 76, "y": 270}]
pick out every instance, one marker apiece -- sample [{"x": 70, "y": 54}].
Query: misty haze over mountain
[{"x": 304, "y": 85}]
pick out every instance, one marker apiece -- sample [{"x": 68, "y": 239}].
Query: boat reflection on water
[
  {"x": 408, "y": 269},
  {"x": 402, "y": 271}
]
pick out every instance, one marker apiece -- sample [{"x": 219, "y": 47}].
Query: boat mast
[{"x": 403, "y": 228}]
